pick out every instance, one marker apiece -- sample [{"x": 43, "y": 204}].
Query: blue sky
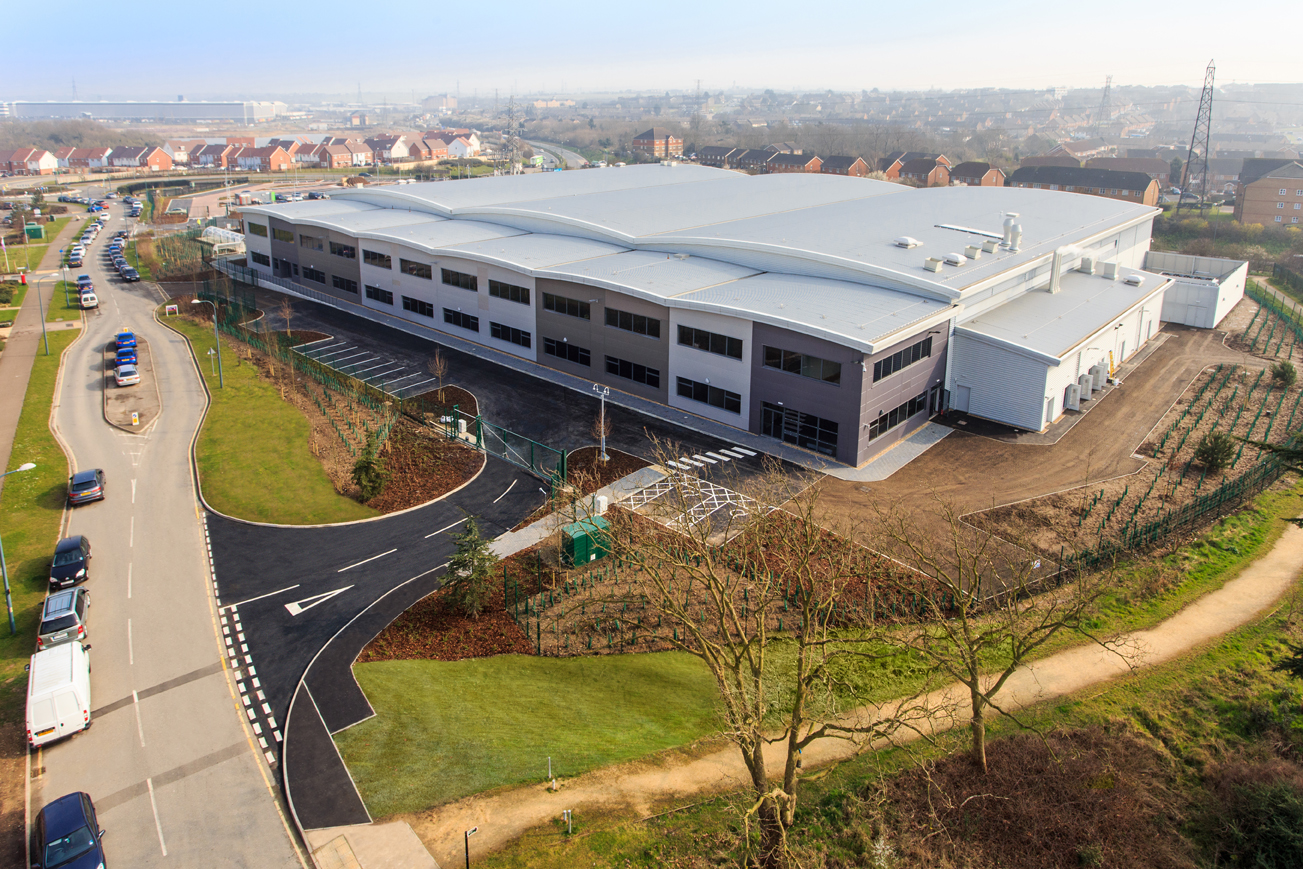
[{"x": 130, "y": 50}]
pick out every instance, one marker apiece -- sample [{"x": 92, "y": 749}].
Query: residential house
[
  {"x": 1224, "y": 173},
  {"x": 783, "y": 148},
  {"x": 391, "y": 148},
  {"x": 155, "y": 159},
  {"x": 784, "y": 162},
  {"x": 447, "y": 135},
  {"x": 361, "y": 153},
  {"x": 1273, "y": 198},
  {"x": 334, "y": 156},
  {"x": 89, "y": 158},
  {"x": 974, "y": 174},
  {"x": 852, "y": 166},
  {"x": 719, "y": 156},
  {"x": 29, "y": 161},
  {"x": 180, "y": 150},
  {"x": 271, "y": 158},
  {"x": 752, "y": 159},
  {"x": 1159, "y": 170},
  {"x": 658, "y": 142},
  {"x": 307, "y": 155},
  {"x": 213, "y": 156},
  {"x": 927, "y": 171},
  {"x": 435, "y": 149},
  {"x": 127, "y": 156},
  {"x": 62, "y": 156},
  {"x": 1128, "y": 186},
  {"x": 1083, "y": 149},
  {"x": 891, "y": 164}
]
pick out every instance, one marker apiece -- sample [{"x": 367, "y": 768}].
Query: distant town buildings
[
  {"x": 1128, "y": 186},
  {"x": 1271, "y": 196},
  {"x": 658, "y": 142}
]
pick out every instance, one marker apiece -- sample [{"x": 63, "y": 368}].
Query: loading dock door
[{"x": 961, "y": 398}]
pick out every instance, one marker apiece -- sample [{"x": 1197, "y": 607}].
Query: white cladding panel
[
  {"x": 258, "y": 243},
  {"x": 1192, "y": 303},
  {"x": 724, "y": 372},
  {"x": 1003, "y": 385}
]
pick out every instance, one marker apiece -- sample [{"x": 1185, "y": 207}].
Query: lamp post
[
  {"x": 602, "y": 392},
  {"x": 471, "y": 832},
  {"x": 40, "y": 304},
  {"x": 221, "y": 382},
  {"x": 4, "y": 571}
]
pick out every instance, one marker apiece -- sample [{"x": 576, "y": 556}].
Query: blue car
[
  {"x": 126, "y": 339},
  {"x": 67, "y": 835},
  {"x": 126, "y": 356}
]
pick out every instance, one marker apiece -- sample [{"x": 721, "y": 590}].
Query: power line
[{"x": 1202, "y": 124}]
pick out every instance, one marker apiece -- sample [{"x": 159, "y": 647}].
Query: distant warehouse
[
  {"x": 836, "y": 314},
  {"x": 243, "y": 112}
]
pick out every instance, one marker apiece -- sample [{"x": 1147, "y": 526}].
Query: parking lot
[{"x": 384, "y": 373}]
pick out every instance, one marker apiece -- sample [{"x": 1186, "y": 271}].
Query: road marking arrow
[{"x": 308, "y": 603}]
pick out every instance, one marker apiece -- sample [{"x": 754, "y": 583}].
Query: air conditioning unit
[
  {"x": 1087, "y": 265},
  {"x": 990, "y": 246},
  {"x": 1109, "y": 270}
]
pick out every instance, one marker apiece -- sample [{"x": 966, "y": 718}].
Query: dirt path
[{"x": 641, "y": 787}]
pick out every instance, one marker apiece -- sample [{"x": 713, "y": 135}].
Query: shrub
[
  {"x": 1255, "y": 815},
  {"x": 470, "y": 570},
  {"x": 1215, "y": 451},
  {"x": 369, "y": 470},
  {"x": 1283, "y": 374}
]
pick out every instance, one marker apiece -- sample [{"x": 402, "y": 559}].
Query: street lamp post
[
  {"x": 471, "y": 832},
  {"x": 4, "y": 571},
  {"x": 41, "y": 306},
  {"x": 602, "y": 392},
  {"x": 221, "y": 382}
]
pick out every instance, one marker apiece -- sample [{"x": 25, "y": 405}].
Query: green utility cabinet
[
  {"x": 585, "y": 541},
  {"x": 35, "y": 232}
]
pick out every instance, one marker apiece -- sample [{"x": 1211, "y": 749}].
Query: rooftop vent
[
  {"x": 682, "y": 255},
  {"x": 1134, "y": 280},
  {"x": 1010, "y": 220},
  {"x": 1087, "y": 265},
  {"x": 1015, "y": 237},
  {"x": 907, "y": 242},
  {"x": 932, "y": 264},
  {"x": 973, "y": 251},
  {"x": 990, "y": 246},
  {"x": 1109, "y": 270},
  {"x": 955, "y": 259}
]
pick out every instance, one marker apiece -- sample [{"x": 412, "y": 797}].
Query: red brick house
[
  {"x": 155, "y": 160},
  {"x": 1155, "y": 168},
  {"x": 272, "y": 158},
  {"x": 780, "y": 163},
  {"x": 927, "y": 171},
  {"x": 1127, "y": 186},
  {"x": 752, "y": 160},
  {"x": 719, "y": 156},
  {"x": 973, "y": 174},
  {"x": 891, "y": 164},
  {"x": 852, "y": 166},
  {"x": 213, "y": 156},
  {"x": 658, "y": 142}
]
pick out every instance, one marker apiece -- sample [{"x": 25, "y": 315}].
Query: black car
[
  {"x": 86, "y": 486},
  {"x": 67, "y": 835},
  {"x": 130, "y": 274},
  {"x": 71, "y": 563}
]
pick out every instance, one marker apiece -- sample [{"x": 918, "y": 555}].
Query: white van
[
  {"x": 89, "y": 300},
  {"x": 58, "y": 693}
]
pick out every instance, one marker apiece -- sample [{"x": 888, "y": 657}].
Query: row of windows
[
  {"x": 633, "y": 371},
  {"x": 569, "y": 307},
  {"x": 379, "y": 260},
  {"x": 376, "y": 294},
  {"x": 313, "y": 275},
  {"x": 897, "y": 415},
  {"x": 461, "y": 320},
  {"x": 347, "y": 251},
  {"x": 710, "y": 342},
  {"x": 256, "y": 229},
  {"x": 458, "y": 279},
  {"x": 1285, "y": 190},
  {"x": 311, "y": 242},
  {"x": 902, "y": 359},
  {"x": 1291, "y": 220},
  {"x": 282, "y": 235},
  {"x": 636, "y": 323},
  {"x": 261, "y": 258},
  {"x": 712, "y": 395},
  {"x": 344, "y": 284},
  {"x": 567, "y": 351},
  {"x": 806, "y": 366},
  {"x": 803, "y": 429},
  {"x": 416, "y": 306},
  {"x": 510, "y": 334},
  {"x": 416, "y": 270},
  {"x": 510, "y": 292},
  {"x": 1297, "y": 205}
]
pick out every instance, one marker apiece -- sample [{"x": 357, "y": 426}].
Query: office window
[
  {"x": 888, "y": 420},
  {"x": 510, "y": 334},
  {"x": 1298, "y": 205},
  {"x": 256, "y": 228},
  {"x": 376, "y": 294},
  {"x": 1278, "y": 219},
  {"x": 416, "y": 306},
  {"x": 419, "y": 270},
  {"x": 261, "y": 258},
  {"x": 510, "y": 292},
  {"x": 313, "y": 275},
  {"x": 283, "y": 235},
  {"x": 569, "y": 307},
  {"x": 633, "y": 371},
  {"x": 379, "y": 260},
  {"x": 902, "y": 359},
  {"x": 636, "y": 323},
  {"x": 806, "y": 366},
  {"x": 459, "y": 279},
  {"x": 347, "y": 251},
  {"x": 567, "y": 351},
  {"x": 461, "y": 320},
  {"x": 344, "y": 284},
  {"x": 712, "y": 395},
  {"x": 1282, "y": 191},
  {"x": 721, "y": 345},
  {"x": 803, "y": 429},
  {"x": 310, "y": 242}
]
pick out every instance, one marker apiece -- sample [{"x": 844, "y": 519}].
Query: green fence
[
  {"x": 1289, "y": 312},
  {"x": 1287, "y": 277}
]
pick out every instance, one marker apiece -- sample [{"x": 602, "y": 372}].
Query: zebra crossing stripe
[
  {"x": 718, "y": 456},
  {"x": 743, "y": 450}
]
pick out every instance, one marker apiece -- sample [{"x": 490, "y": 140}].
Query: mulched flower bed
[
  {"x": 584, "y": 471},
  {"x": 422, "y": 465}
]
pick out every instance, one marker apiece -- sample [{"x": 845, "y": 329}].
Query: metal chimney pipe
[{"x": 1015, "y": 237}]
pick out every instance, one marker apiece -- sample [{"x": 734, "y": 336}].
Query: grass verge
[
  {"x": 31, "y": 510},
  {"x": 254, "y": 461},
  {"x": 491, "y": 722},
  {"x": 138, "y": 264},
  {"x": 30, "y": 255},
  {"x": 64, "y": 304}
]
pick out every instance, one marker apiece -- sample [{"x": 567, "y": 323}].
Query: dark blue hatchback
[{"x": 67, "y": 835}]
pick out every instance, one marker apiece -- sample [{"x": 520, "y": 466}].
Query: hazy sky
[{"x": 140, "y": 50}]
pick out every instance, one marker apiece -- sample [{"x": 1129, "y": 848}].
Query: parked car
[
  {"x": 130, "y": 274},
  {"x": 127, "y": 375},
  {"x": 125, "y": 338},
  {"x": 58, "y": 705},
  {"x": 125, "y": 356},
  {"x": 89, "y": 300},
  {"x": 71, "y": 563},
  {"x": 67, "y": 834},
  {"x": 86, "y": 486},
  {"x": 63, "y": 617},
  {"x": 83, "y": 281}
]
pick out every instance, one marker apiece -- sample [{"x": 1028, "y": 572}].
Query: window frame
[
  {"x": 342, "y": 283},
  {"x": 714, "y": 396},
  {"x": 634, "y": 319},
  {"x": 581, "y": 310},
  {"x": 264, "y": 261},
  {"x": 458, "y": 282},
  {"x": 418, "y": 306},
  {"x": 425, "y": 271},
  {"x": 509, "y": 292},
  {"x": 511, "y": 335},
  {"x": 462, "y": 320},
  {"x": 793, "y": 362},
  {"x": 369, "y": 257},
  {"x": 279, "y": 235},
  {"x": 648, "y": 373},
  {"x": 710, "y": 342},
  {"x": 315, "y": 275},
  {"x": 564, "y": 350},
  {"x": 258, "y": 229},
  {"x": 377, "y": 294}
]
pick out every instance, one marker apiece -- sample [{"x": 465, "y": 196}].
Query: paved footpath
[{"x": 637, "y": 787}]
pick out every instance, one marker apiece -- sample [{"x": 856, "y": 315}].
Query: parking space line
[
  {"x": 158, "y": 825},
  {"x": 131, "y": 649},
  {"x": 364, "y": 561},
  {"x": 232, "y": 606},
  {"x": 140, "y": 726},
  {"x": 441, "y": 530},
  {"x": 504, "y": 494}
]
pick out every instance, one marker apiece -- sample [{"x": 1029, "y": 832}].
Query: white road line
[
  {"x": 158, "y": 825},
  {"x": 364, "y": 561},
  {"x": 128, "y": 580},
  {"x": 131, "y": 651},
  {"x": 703, "y": 459},
  {"x": 131, "y": 539},
  {"x": 743, "y": 450},
  {"x": 133, "y": 491},
  {"x": 674, "y": 465},
  {"x": 504, "y": 494},
  {"x": 687, "y": 461},
  {"x": 232, "y": 606},
  {"x": 718, "y": 456},
  {"x": 441, "y": 530},
  {"x": 140, "y": 727}
]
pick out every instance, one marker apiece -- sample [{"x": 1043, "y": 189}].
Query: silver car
[{"x": 63, "y": 618}]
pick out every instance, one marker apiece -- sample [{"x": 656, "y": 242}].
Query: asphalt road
[
  {"x": 573, "y": 160},
  {"x": 175, "y": 774}
]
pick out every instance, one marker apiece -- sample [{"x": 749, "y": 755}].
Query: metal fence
[{"x": 1288, "y": 277}]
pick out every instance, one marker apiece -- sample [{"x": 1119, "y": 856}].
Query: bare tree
[
  {"x": 286, "y": 310},
  {"x": 980, "y": 605},
  {"x": 758, "y": 594},
  {"x": 438, "y": 368}
]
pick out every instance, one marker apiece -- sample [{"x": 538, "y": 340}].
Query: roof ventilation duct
[
  {"x": 1086, "y": 265},
  {"x": 1015, "y": 237},
  {"x": 1010, "y": 221},
  {"x": 990, "y": 246},
  {"x": 1135, "y": 280},
  {"x": 973, "y": 251},
  {"x": 1109, "y": 270},
  {"x": 955, "y": 259},
  {"x": 907, "y": 242},
  {"x": 1056, "y": 266},
  {"x": 932, "y": 264}
]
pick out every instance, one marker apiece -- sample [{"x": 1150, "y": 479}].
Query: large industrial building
[
  {"x": 244, "y": 112},
  {"x": 835, "y": 314}
]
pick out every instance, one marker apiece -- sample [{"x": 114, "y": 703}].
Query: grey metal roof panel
[
  {"x": 537, "y": 251},
  {"x": 1053, "y": 324},
  {"x": 366, "y": 221},
  {"x": 652, "y": 275},
  {"x": 838, "y": 310},
  {"x": 317, "y": 208},
  {"x": 438, "y": 235}
]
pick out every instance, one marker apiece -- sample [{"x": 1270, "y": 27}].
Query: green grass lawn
[
  {"x": 29, "y": 255},
  {"x": 9, "y": 310},
  {"x": 30, "y": 511},
  {"x": 448, "y": 730},
  {"x": 64, "y": 305},
  {"x": 254, "y": 461}
]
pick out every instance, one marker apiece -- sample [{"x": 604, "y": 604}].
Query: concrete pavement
[{"x": 176, "y": 774}]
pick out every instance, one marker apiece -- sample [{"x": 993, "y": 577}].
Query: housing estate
[
  {"x": 1273, "y": 198},
  {"x": 1129, "y": 186}
]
